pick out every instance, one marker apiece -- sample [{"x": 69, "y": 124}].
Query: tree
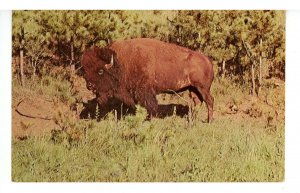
[
  {"x": 27, "y": 41},
  {"x": 261, "y": 32}
]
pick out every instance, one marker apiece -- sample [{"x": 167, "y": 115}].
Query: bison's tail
[{"x": 210, "y": 61}]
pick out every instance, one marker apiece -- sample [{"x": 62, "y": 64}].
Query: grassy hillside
[{"x": 245, "y": 142}]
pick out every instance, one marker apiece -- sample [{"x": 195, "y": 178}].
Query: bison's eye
[{"x": 100, "y": 72}]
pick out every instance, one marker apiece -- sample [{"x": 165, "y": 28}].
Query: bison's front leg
[
  {"x": 125, "y": 97},
  {"x": 102, "y": 99}
]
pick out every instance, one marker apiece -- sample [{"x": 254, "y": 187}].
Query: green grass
[
  {"x": 233, "y": 148},
  {"x": 157, "y": 150}
]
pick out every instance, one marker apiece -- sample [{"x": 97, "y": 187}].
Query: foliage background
[{"x": 237, "y": 38}]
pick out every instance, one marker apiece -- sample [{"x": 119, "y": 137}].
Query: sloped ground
[
  {"x": 32, "y": 116},
  {"x": 33, "y": 113},
  {"x": 245, "y": 142}
]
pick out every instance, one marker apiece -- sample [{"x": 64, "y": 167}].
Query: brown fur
[{"x": 144, "y": 68}]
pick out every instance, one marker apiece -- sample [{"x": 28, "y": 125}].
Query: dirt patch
[{"x": 32, "y": 116}]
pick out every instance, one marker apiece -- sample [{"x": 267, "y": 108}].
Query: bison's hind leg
[
  {"x": 207, "y": 98},
  {"x": 196, "y": 96},
  {"x": 151, "y": 104}
]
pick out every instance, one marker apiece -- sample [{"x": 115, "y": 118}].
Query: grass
[
  {"x": 233, "y": 148},
  {"x": 157, "y": 150}
]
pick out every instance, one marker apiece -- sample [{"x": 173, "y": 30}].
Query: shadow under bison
[{"x": 89, "y": 111}]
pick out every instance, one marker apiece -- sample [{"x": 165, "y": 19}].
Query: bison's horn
[
  {"x": 111, "y": 64},
  {"x": 112, "y": 60}
]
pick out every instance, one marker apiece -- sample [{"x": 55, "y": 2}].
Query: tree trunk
[
  {"x": 72, "y": 57},
  {"x": 22, "y": 42},
  {"x": 260, "y": 70},
  {"x": 223, "y": 69},
  {"x": 253, "y": 79},
  {"x": 33, "y": 63},
  {"x": 22, "y": 67}
]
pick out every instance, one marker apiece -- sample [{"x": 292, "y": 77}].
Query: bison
[{"x": 134, "y": 71}]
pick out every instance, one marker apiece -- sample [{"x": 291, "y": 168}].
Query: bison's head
[{"x": 101, "y": 69}]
